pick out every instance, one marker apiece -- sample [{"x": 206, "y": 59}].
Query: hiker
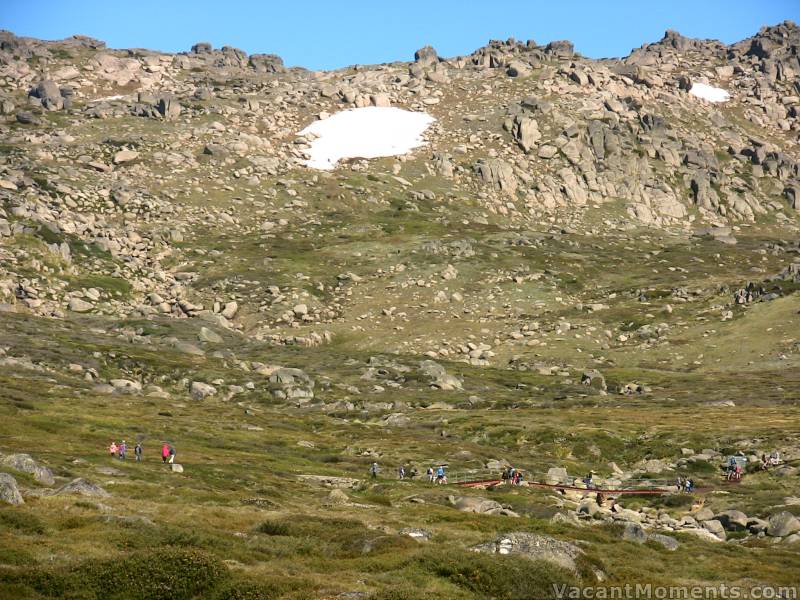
[
  {"x": 374, "y": 470},
  {"x": 679, "y": 483},
  {"x": 123, "y": 449},
  {"x": 171, "y": 455},
  {"x": 588, "y": 480},
  {"x": 689, "y": 486},
  {"x": 401, "y": 472},
  {"x": 775, "y": 458},
  {"x": 430, "y": 474},
  {"x": 764, "y": 462},
  {"x": 165, "y": 453},
  {"x": 441, "y": 478},
  {"x": 112, "y": 449},
  {"x": 137, "y": 451},
  {"x": 413, "y": 473}
]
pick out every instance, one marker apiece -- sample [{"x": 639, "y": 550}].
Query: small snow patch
[
  {"x": 109, "y": 98},
  {"x": 710, "y": 93},
  {"x": 367, "y": 132}
]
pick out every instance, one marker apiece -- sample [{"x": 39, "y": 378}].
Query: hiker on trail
[
  {"x": 137, "y": 451},
  {"x": 430, "y": 474},
  {"x": 775, "y": 458},
  {"x": 589, "y": 479},
  {"x": 689, "y": 486},
  {"x": 171, "y": 455},
  {"x": 374, "y": 470},
  {"x": 679, "y": 483},
  {"x": 165, "y": 453},
  {"x": 441, "y": 478},
  {"x": 401, "y": 472},
  {"x": 764, "y": 462},
  {"x": 112, "y": 449},
  {"x": 123, "y": 450}
]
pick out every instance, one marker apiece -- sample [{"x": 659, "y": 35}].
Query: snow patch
[
  {"x": 367, "y": 132},
  {"x": 109, "y": 98},
  {"x": 710, "y": 93}
]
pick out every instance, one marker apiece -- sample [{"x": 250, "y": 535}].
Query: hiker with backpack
[
  {"x": 123, "y": 450},
  {"x": 171, "y": 455},
  {"x": 137, "y": 451},
  {"x": 112, "y": 449}
]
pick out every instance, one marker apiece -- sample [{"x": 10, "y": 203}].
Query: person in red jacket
[{"x": 164, "y": 452}]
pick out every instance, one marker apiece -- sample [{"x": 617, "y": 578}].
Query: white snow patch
[
  {"x": 365, "y": 133},
  {"x": 109, "y": 98},
  {"x": 710, "y": 93}
]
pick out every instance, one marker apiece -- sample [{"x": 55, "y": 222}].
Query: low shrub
[
  {"x": 169, "y": 574},
  {"x": 273, "y": 528},
  {"x": 23, "y": 522},
  {"x": 500, "y": 577},
  {"x": 243, "y": 589}
]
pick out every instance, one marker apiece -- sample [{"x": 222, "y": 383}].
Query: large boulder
[
  {"x": 82, "y": 487},
  {"x": 563, "y": 48},
  {"x": 9, "y": 492},
  {"x": 733, "y": 520},
  {"x": 497, "y": 174},
  {"x": 202, "y": 48},
  {"x": 782, "y": 524},
  {"x": 291, "y": 384},
  {"x": 436, "y": 375},
  {"x": 169, "y": 107},
  {"x": 556, "y": 475},
  {"x": 49, "y": 94},
  {"x": 534, "y": 547},
  {"x": 266, "y": 63},
  {"x": 26, "y": 464},
  {"x": 426, "y": 55},
  {"x": 594, "y": 379},
  {"x": 201, "y": 391},
  {"x": 483, "y": 506},
  {"x": 715, "y": 527},
  {"x": 526, "y": 132},
  {"x": 634, "y": 532}
]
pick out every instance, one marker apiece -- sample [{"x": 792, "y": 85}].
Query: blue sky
[{"x": 335, "y": 33}]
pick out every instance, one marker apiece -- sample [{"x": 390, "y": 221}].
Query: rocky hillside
[{"x": 589, "y": 265}]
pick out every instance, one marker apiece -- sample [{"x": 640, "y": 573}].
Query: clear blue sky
[{"x": 324, "y": 34}]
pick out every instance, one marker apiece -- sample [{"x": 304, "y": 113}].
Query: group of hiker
[
  {"x": 773, "y": 460},
  {"x": 438, "y": 475},
  {"x": 120, "y": 451},
  {"x": 512, "y": 476},
  {"x": 685, "y": 484}
]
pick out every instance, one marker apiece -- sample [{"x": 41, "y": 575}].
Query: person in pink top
[
  {"x": 112, "y": 449},
  {"x": 165, "y": 452}
]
